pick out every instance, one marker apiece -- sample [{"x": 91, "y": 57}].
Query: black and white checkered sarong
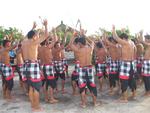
[
  {"x": 113, "y": 67},
  {"x": 86, "y": 76},
  {"x": 7, "y": 72},
  {"x": 125, "y": 69},
  {"x": 146, "y": 68},
  {"x": 59, "y": 66},
  {"x": 48, "y": 71},
  {"x": 100, "y": 69},
  {"x": 31, "y": 70},
  {"x": 139, "y": 61}
]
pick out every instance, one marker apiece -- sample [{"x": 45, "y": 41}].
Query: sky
[{"x": 92, "y": 13}]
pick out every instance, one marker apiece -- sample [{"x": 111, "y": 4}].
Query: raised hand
[
  {"x": 140, "y": 37},
  {"x": 45, "y": 22},
  {"x": 113, "y": 28},
  {"x": 34, "y": 25},
  {"x": 123, "y": 30},
  {"x": 141, "y": 33}
]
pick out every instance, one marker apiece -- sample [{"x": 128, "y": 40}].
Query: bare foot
[
  {"x": 97, "y": 104},
  {"x": 82, "y": 105},
  {"x": 122, "y": 101},
  {"x": 53, "y": 101},
  {"x": 37, "y": 109},
  {"x": 111, "y": 93}
]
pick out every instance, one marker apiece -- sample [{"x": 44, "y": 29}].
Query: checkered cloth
[
  {"x": 113, "y": 67},
  {"x": 76, "y": 68},
  {"x": 1, "y": 66},
  {"x": 48, "y": 71},
  {"x": 41, "y": 72},
  {"x": 125, "y": 69},
  {"x": 86, "y": 75},
  {"x": 20, "y": 68},
  {"x": 64, "y": 61},
  {"x": 139, "y": 61},
  {"x": 65, "y": 64},
  {"x": 146, "y": 68},
  {"x": 31, "y": 70},
  {"x": 108, "y": 60},
  {"x": 100, "y": 68},
  {"x": 7, "y": 72},
  {"x": 59, "y": 66}
]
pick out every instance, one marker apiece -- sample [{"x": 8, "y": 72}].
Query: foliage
[
  {"x": 10, "y": 33},
  {"x": 118, "y": 31}
]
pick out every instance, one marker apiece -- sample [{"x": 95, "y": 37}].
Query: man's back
[
  {"x": 85, "y": 56},
  {"x": 140, "y": 50},
  {"x": 45, "y": 54},
  {"x": 128, "y": 51},
  {"x": 29, "y": 49}
]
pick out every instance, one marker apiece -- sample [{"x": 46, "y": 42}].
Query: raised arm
[
  {"x": 90, "y": 42},
  {"x": 119, "y": 40},
  {"x": 54, "y": 40},
  {"x": 34, "y": 25},
  {"x": 141, "y": 39},
  {"x": 45, "y": 33},
  {"x": 72, "y": 46},
  {"x": 107, "y": 41}
]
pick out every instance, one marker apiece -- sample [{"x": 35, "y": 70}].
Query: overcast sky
[{"x": 92, "y": 13}]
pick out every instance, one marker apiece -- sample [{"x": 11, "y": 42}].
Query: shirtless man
[
  {"x": 31, "y": 66},
  {"x": 127, "y": 66},
  {"x": 113, "y": 64},
  {"x": 139, "y": 59},
  {"x": 86, "y": 76},
  {"x": 58, "y": 64},
  {"x": 101, "y": 54},
  {"x": 7, "y": 70},
  {"x": 146, "y": 63},
  {"x": 75, "y": 74},
  {"x": 20, "y": 63},
  {"x": 63, "y": 55},
  {"x": 48, "y": 69}
]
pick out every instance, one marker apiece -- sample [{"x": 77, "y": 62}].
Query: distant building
[{"x": 62, "y": 27}]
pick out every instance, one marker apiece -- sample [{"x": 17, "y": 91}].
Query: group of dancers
[{"x": 41, "y": 61}]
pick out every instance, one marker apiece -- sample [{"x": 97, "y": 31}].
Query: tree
[
  {"x": 118, "y": 31},
  {"x": 12, "y": 34}
]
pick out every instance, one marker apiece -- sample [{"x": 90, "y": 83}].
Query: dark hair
[
  {"x": 76, "y": 40},
  {"x": 5, "y": 42},
  {"x": 43, "y": 43},
  {"x": 147, "y": 36},
  {"x": 82, "y": 40},
  {"x": 31, "y": 34},
  {"x": 111, "y": 39},
  {"x": 99, "y": 45},
  {"x": 124, "y": 36},
  {"x": 134, "y": 40},
  {"x": 56, "y": 43}
]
